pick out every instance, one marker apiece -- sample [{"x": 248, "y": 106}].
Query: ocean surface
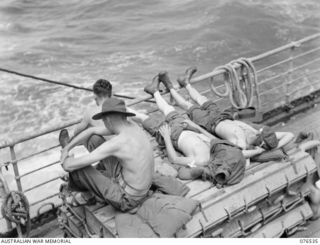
[{"x": 126, "y": 42}]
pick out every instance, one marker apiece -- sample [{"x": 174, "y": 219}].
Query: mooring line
[{"x": 61, "y": 83}]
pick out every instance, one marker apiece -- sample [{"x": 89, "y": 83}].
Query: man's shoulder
[
  {"x": 90, "y": 111},
  {"x": 133, "y": 131}
]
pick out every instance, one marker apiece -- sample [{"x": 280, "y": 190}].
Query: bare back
[{"x": 136, "y": 154}]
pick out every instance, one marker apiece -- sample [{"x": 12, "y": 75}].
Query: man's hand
[
  {"x": 65, "y": 161},
  {"x": 259, "y": 150},
  {"x": 165, "y": 131}
]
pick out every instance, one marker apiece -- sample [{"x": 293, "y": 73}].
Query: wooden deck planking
[{"x": 197, "y": 187}]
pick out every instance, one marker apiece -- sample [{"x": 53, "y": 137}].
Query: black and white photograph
[{"x": 159, "y": 119}]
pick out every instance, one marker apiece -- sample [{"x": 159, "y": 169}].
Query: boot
[
  {"x": 64, "y": 137},
  {"x": 164, "y": 78},
  {"x": 190, "y": 72},
  {"x": 184, "y": 81},
  {"x": 152, "y": 87}
]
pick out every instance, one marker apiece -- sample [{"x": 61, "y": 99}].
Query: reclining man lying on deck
[
  {"x": 130, "y": 150},
  {"x": 221, "y": 123},
  {"x": 204, "y": 155}
]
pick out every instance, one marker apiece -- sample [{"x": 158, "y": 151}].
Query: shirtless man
[
  {"x": 130, "y": 147},
  {"x": 102, "y": 89},
  {"x": 196, "y": 144},
  {"x": 222, "y": 123}
]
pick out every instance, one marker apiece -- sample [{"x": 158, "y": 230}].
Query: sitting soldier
[{"x": 129, "y": 149}]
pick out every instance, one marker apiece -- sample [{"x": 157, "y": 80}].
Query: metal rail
[
  {"x": 291, "y": 46},
  {"x": 291, "y": 81},
  {"x": 41, "y": 184},
  {"x": 44, "y": 199},
  {"x": 37, "y": 169},
  {"x": 288, "y": 60},
  {"x": 290, "y": 71}
]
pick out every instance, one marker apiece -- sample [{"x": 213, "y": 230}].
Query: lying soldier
[
  {"x": 221, "y": 123},
  {"x": 130, "y": 148},
  {"x": 200, "y": 149}
]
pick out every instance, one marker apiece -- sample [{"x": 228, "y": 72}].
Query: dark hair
[{"x": 102, "y": 88}]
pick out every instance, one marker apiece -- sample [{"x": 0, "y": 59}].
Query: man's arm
[
  {"x": 108, "y": 148},
  {"x": 253, "y": 152},
  {"x": 82, "y": 137},
  {"x": 172, "y": 154},
  {"x": 83, "y": 125},
  {"x": 284, "y": 138}
]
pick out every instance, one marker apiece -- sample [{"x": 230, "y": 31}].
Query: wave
[{"x": 127, "y": 42}]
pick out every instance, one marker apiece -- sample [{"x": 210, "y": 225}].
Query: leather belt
[{"x": 131, "y": 190}]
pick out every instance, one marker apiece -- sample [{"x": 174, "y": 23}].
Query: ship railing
[{"x": 269, "y": 83}]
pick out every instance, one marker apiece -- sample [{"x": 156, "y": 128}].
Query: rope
[
  {"x": 253, "y": 80},
  {"x": 240, "y": 93},
  {"x": 58, "y": 83},
  {"x": 16, "y": 209}
]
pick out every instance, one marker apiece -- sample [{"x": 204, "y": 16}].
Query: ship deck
[{"x": 307, "y": 121}]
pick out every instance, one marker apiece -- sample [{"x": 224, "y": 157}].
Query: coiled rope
[
  {"x": 240, "y": 91},
  {"x": 16, "y": 209}
]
